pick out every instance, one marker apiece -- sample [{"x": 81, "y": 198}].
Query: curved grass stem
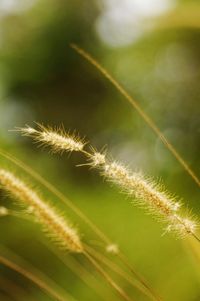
[
  {"x": 112, "y": 283},
  {"x": 138, "y": 108},
  {"x": 141, "y": 285},
  {"x": 32, "y": 274}
]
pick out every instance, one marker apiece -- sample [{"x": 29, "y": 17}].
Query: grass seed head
[
  {"x": 146, "y": 193},
  {"x": 57, "y": 139},
  {"x": 47, "y": 216}
]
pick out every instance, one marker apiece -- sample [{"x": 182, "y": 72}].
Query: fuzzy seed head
[
  {"x": 56, "y": 226},
  {"x": 57, "y": 139},
  {"x": 115, "y": 171},
  {"x": 135, "y": 185},
  {"x": 147, "y": 194},
  {"x": 157, "y": 200},
  {"x": 60, "y": 142}
]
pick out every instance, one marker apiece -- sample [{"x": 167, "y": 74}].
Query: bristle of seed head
[
  {"x": 181, "y": 226},
  {"x": 52, "y": 221},
  {"x": 146, "y": 193},
  {"x": 27, "y": 131},
  {"x": 57, "y": 139}
]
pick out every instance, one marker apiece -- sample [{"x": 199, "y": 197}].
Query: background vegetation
[{"x": 152, "y": 48}]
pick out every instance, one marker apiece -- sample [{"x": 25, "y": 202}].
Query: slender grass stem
[
  {"x": 112, "y": 283},
  {"x": 45, "y": 284},
  {"x": 196, "y": 237},
  {"x": 78, "y": 269},
  {"x": 142, "y": 286},
  {"x": 139, "y": 109},
  {"x": 14, "y": 290}
]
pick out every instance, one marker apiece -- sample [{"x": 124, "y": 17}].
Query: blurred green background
[{"x": 153, "y": 49}]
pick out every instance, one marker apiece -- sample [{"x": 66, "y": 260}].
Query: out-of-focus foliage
[{"x": 152, "y": 48}]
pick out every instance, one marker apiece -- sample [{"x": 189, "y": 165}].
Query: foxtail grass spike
[
  {"x": 57, "y": 227},
  {"x": 146, "y": 193},
  {"x": 57, "y": 139}
]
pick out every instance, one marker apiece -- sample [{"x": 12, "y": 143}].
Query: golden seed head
[
  {"x": 57, "y": 139},
  {"x": 56, "y": 225},
  {"x": 146, "y": 193},
  {"x": 60, "y": 142}
]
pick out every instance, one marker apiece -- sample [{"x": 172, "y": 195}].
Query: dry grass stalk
[{"x": 139, "y": 109}]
